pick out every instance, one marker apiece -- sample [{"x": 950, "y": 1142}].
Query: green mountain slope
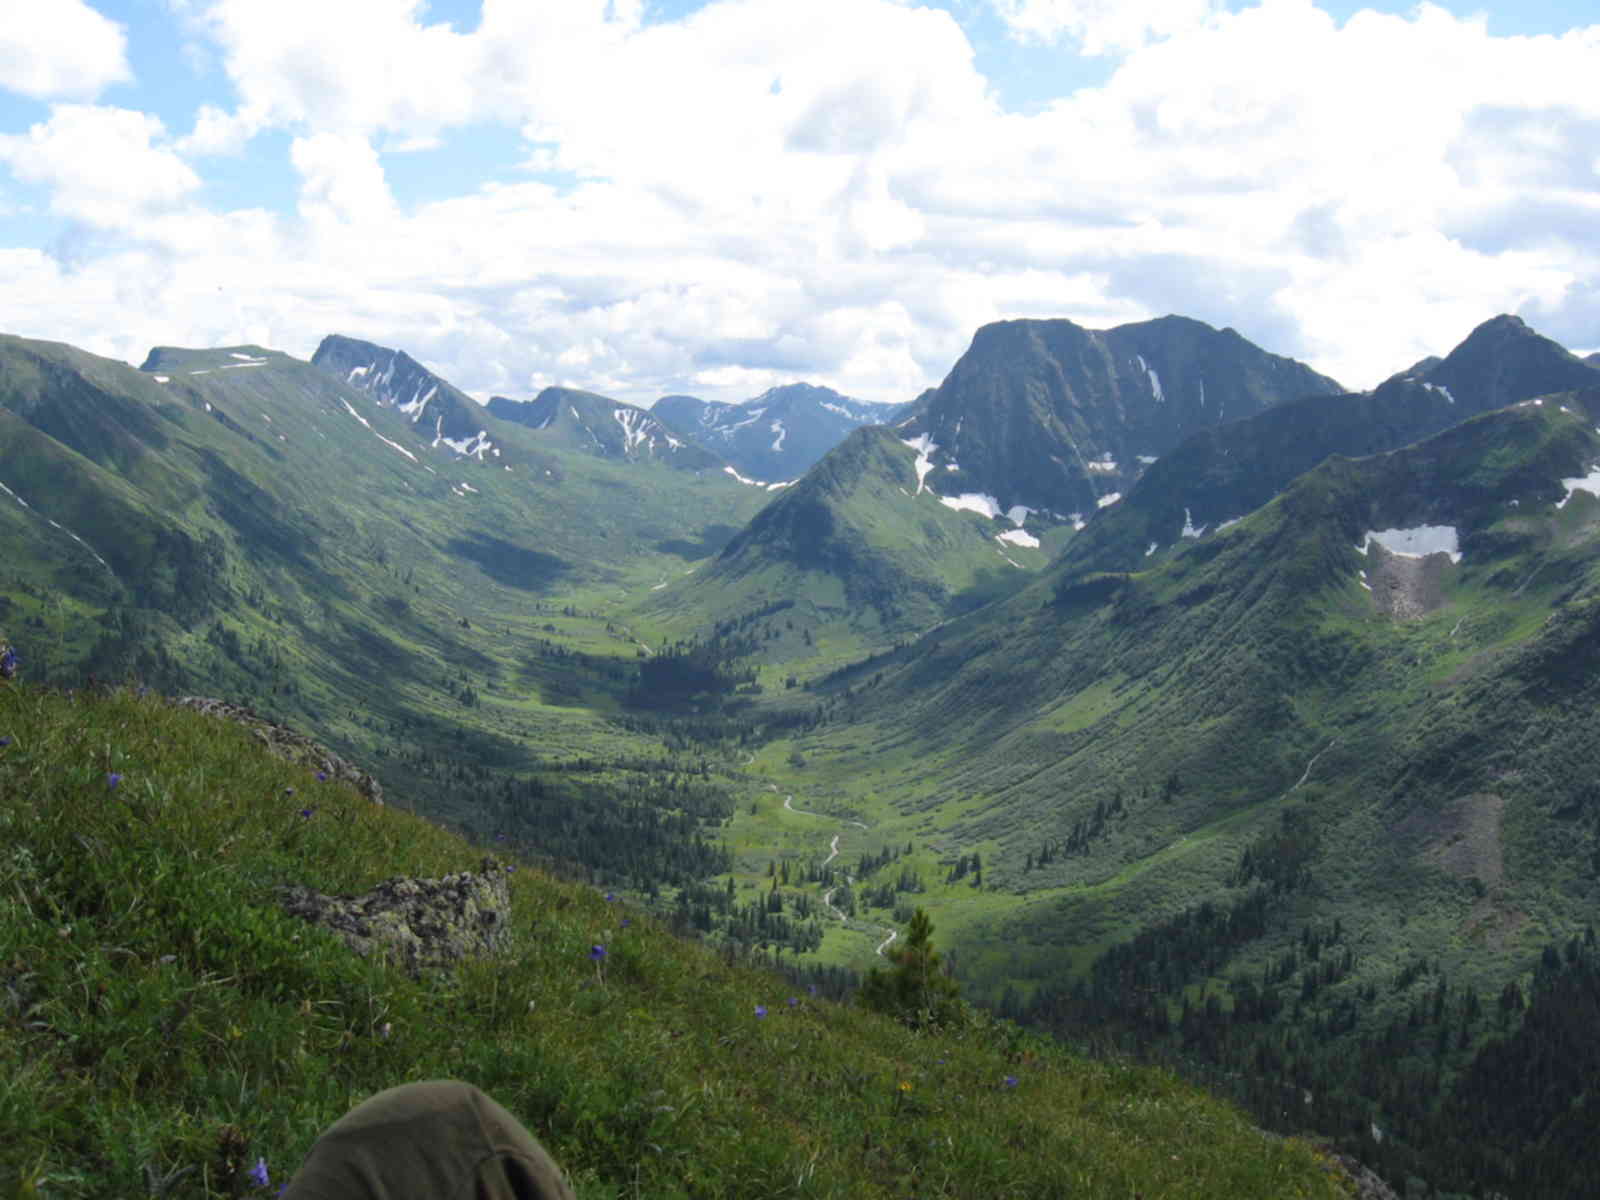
[
  {"x": 242, "y": 523},
  {"x": 859, "y": 554},
  {"x": 167, "y": 1028},
  {"x": 1316, "y": 725}
]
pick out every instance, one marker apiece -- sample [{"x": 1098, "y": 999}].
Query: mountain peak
[
  {"x": 778, "y": 435},
  {"x": 594, "y": 424},
  {"x": 1044, "y": 413},
  {"x": 396, "y": 380},
  {"x": 1503, "y": 360}
]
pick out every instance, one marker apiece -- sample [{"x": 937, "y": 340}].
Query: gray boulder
[{"x": 415, "y": 923}]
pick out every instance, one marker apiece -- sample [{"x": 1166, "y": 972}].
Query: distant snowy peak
[
  {"x": 594, "y": 424},
  {"x": 777, "y": 435},
  {"x": 393, "y": 379}
]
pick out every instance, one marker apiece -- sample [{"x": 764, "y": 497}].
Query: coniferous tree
[{"x": 916, "y": 991}]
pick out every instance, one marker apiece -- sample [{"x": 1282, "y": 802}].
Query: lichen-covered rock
[
  {"x": 416, "y": 923},
  {"x": 289, "y": 744}
]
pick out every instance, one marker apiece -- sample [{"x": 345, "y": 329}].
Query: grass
[{"x": 161, "y": 1018}]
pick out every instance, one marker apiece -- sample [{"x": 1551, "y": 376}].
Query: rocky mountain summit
[
  {"x": 779, "y": 435},
  {"x": 1053, "y": 417},
  {"x": 590, "y": 423},
  {"x": 396, "y": 380},
  {"x": 1220, "y": 474}
]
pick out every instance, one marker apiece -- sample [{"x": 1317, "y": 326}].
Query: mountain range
[
  {"x": 779, "y": 435},
  {"x": 1210, "y": 709}
]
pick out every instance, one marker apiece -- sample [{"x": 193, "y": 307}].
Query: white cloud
[
  {"x": 1102, "y": 26},
  {"x": 744, "y": 197},
  {"x": 59, "y": 50},
  {"x": 102, "y": 165},
  {"x": 351, "y": 67},
  {"x": 342, "y": 181}
]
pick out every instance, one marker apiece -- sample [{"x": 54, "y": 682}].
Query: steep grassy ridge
[
  {"x": 143, "y": 846},
  {"x": 861, "y": 554}
]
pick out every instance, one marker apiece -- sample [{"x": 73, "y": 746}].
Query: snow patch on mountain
[
  {"x": 976, "y": 502},
  {"x": 924, "y": 445},
  {"x": 1105, "y": 464},
  {"x": 354, "y": 413},
  {"x": 1189, "y": 529},
  {"x": 413, "y": 407},
  {"x": 1418, "y": 541},
  {"x": 1018, "y": 514},
  {"x": 1108, "y": 500},
  {"x": 396, "y": 445},
  {"x": 1155, "y": 380},
  {"x": 1018, "y": 537},
  {"x": 1587, "y": 483},
  {"x": 472, "y": 447},
  {"x": 1441, "y": 389},
  {"x": 777, "y": 442}
]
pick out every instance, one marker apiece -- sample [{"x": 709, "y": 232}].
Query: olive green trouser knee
[{"x": 440, "y": 1140}]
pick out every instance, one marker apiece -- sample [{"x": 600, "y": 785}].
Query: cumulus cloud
[
  {"x": 342, "y": 181},
  {"x": 1102, "y": 26},
  {"x": 63, "y": 50},
  {"x": 742, "y": 197},
  {"x": 104, "y": 166}
]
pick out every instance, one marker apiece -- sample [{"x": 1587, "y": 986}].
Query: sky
[{"x": 714, "y": 197}]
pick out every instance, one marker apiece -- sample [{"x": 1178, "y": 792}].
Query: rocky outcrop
[
  {"x": 415, "y": 923},
  {"x": 289, "y": 744}
]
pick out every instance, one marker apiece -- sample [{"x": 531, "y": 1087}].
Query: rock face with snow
[
  {"x": 606, "y": 428},
  {"x": 445, "y": 416},
  {"x": 780, "y": 434},
  {"x": 1056, "y": 417},
  {"x": 1223, "y": 473}
]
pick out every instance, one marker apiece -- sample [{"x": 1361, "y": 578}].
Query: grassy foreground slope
[{"x": 160, "y": 1019}]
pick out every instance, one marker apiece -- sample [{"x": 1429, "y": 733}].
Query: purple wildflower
[
  {"x": 4, "y": 742},
  {"x": 761, "y": 1010},
  {"x": 811, "y": 988},
  {"x": 626, "y": 921},
  {"x": 8, "y": 663},
  {"x": 305, "y": 813},
  {"x": 610, "y": 897},
  {"x": 322, "y": 777},
  {"x": 597, "y": 952},
  {"x": 1011, "y": 1081},
  {"x": 113, "y": 778},
  {"x": 258, "y": 1173}
]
